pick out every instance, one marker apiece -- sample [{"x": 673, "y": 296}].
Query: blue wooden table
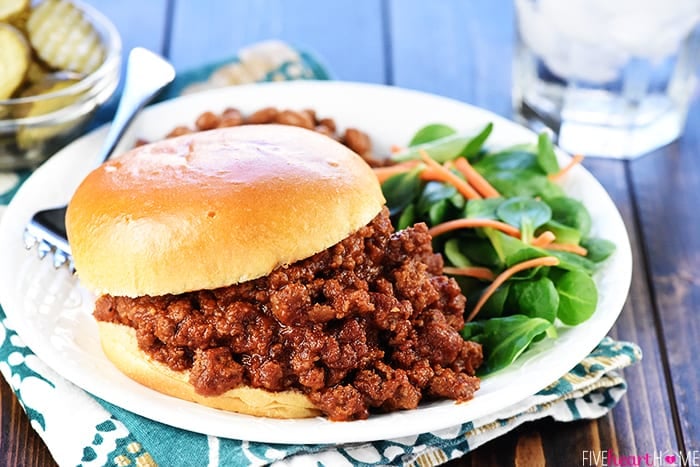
[{"x": 462, "y": 49}]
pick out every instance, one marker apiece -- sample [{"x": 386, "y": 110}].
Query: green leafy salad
[{"x": 519, "y": 247}]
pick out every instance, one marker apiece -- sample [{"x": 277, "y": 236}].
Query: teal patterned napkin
[{"x": 103, "y": 434}]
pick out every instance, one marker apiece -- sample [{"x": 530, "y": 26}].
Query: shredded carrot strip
[
  {"x": 569, "y": 247},
  {"x": 473, "y": 223},
  {"x": 395, "y": 149},
  {"x": 575, "y": 160},
  {"x": 383, "y": 173},
  {"x": 507, "y": 274},
  {"x": 475, "y": 179},
  {"x": 463, "y": 187},
  {"x": 544, "y": 239},
  {"x": 470, "y": 271},
  {"x": 431, "y": 175}
]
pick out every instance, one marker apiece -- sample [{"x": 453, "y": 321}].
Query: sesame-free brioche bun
[
  {"x": 216, "y": 208},
  {"x": 121, "y": 348}
]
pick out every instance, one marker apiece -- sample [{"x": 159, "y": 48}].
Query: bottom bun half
[{"x": 121, "y": 348}]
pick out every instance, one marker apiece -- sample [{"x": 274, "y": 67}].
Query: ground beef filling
[{"x": 368, "y": 324}]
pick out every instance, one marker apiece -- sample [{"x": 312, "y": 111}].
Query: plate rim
[{"x": 328, "y": 433}]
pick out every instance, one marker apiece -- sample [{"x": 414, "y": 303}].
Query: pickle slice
[
  {"x": 11, "y": 10},
  {"x": 63, "y": 38},
  {"x": 29, "y": 136},
  {"x": 37, "y": 71},
  {"x": 14, "y": 59}
]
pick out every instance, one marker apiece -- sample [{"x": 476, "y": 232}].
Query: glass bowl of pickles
[{"x": 60, "y": 60}]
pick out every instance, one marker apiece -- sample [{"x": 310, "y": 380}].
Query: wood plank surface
[
  {"x": 345, "y": 34},
  {"x": 666, "y": 186},
  {"x": 459, "y": 49},
  {"x": 20, "y": 445},
  {"x": 642, "y": 421}
]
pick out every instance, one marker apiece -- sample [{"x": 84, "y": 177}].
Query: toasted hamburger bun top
[{"x": 216, "y": 208}]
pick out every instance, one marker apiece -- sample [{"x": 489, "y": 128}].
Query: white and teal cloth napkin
[{"x": 81, "y": 430}]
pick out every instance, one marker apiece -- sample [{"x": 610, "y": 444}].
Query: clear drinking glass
[{"x": 611, "y": 78}]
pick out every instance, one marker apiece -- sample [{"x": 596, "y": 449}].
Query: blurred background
[
  {"x": 455, "y": 48},
  {"x": 432, "y": 46}
]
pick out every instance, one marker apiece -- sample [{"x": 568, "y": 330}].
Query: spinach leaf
[
  {"x": 477, "y": 142},
  {"x": 527, "y": 182},
  {"x": 438, "y": 212},
  {"x": 430, "y": 133},
  {"x": 599, "y": 249},
  {"x": 515, "y": 160},
  {"x": 401, "y": 189},
  {"x": 525, "y": 213},
  {"x": 520, "y": 147},
  {"x": 572, "y": 261},
  {"x": 536, "y": 298},
  {"x": 546, "y": 158},
  {"x": 432, "y": 193},
  {"x": 482, "y": 252},
  {"x": 495, "y": 305},
  {"x": 504, "y": 245},
  {"x": 458, "y": 200},
  {"x": 571, "y": 213},
  {"x": 442, "y": 150},
  {"x": 524, "y": 254},
  {"x": 511, "y": 251},
  {"x": 482, "y": 208},
  {"x": 505, "y": 338},
  {"x": 578, "y": 297},
  {"x": 407, "y": 218},
  {"x": 564, "y": 233},
  {"x": 454, "y": 254},
  {"x": 439, "y": 202}
]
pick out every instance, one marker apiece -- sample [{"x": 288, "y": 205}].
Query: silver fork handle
[{"x": 146, "y": 74}]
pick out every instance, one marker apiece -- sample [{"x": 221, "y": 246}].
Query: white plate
[{"x": 52, "y": 313}]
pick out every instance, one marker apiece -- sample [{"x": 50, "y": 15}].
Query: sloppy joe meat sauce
[{"x": 368, "y": 324}]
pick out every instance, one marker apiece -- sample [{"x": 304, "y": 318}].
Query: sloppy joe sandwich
[{"x": 255, "y": 269}]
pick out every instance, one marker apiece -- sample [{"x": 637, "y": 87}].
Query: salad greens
[
  {"x": 517, "y": 286},
  {"x": 443, "y": 143},
  {"x": 506, "y": 338},
  {"x": 525, "y": 213}
]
